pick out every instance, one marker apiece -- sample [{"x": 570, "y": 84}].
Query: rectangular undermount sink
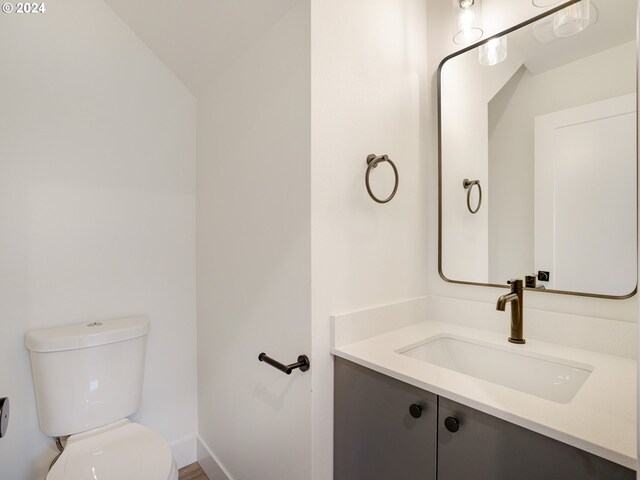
[{"x": 552, "y": 378}]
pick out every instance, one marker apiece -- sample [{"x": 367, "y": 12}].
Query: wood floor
[{"x": 192, "y": 472}]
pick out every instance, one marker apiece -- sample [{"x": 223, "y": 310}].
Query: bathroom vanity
[
  {"x": 386, "y": 428},
  {"x": 431, "y": 388},
  {"x": 441, "y": 400}
]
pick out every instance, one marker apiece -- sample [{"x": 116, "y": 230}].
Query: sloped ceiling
[
  {"x": 615, "y": 24},
  {"x": 197, "y": 39}
]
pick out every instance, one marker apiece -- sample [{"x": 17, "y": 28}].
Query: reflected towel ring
[
  {"x": 372, "y": 162},
  {"x": 468, "y": 186}
]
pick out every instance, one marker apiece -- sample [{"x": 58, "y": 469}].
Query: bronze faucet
[{"x": 515, "y": 298}]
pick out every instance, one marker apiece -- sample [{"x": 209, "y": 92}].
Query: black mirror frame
[{"x": 439, "y": 107}]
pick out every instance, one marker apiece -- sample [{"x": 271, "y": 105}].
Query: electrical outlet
[{"x": 543, "y": 276}]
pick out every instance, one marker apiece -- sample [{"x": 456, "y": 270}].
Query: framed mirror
[{"x": 538, "y": 154}]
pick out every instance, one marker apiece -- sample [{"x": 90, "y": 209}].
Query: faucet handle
[{"x": 516, "y": 284}]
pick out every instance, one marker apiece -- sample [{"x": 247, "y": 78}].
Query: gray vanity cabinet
[
  {"x": 377, "y": 438},
  {"x": 375, "y": 435},
  {"x": 485, "y": 447}
]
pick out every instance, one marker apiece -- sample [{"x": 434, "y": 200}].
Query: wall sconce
[
  {"x": 571, "y": 20},
  {"x": 467, "y": 21},
  {"x": 493, "y": 52}
]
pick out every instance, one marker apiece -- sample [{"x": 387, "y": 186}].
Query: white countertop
[{"x": 601, "y": 418}]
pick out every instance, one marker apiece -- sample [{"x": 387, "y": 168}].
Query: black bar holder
[{"x": 303, "y": 363}]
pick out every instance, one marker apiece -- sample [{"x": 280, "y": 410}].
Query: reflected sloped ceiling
[{"x": 615, "y": 25}]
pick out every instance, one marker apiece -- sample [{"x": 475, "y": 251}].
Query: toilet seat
[{"x": 119, "y": 451}]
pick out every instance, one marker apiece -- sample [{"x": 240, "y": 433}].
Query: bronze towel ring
[
  {"x": 468, "y": 186},
  {"x": 372, "y": 162}
]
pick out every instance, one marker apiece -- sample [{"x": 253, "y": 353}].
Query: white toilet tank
[{"x": 86, "y": 376}]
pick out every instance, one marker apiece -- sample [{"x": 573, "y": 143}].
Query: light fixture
[
  {"x": 571, "y": 20},
  {"x": 467, "y": 21},
  {"x": 545, "y": 3},
  {"x": 544, "y": 32},
  {"x": 493, "y": 52}
]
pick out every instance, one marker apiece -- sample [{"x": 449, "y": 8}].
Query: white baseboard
[
  {"x": 185, "y": 450},
  {"x": 210, "y": 463}
]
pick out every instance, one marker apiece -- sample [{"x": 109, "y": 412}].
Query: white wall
[
  {"x": 368, "y": 96},
  {"x": 499, "y": 15},
  {"x": 511, "y": 237},
  {"x": 254, "y": 272},
  {"x": 97, "y": 212},
  {"x": 637, "y": 316},
  {"x": 465, "y": 244},
  {"x": 610, "y": 73},
  {"x": 465, "y": 235}
]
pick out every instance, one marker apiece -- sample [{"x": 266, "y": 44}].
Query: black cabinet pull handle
[
  {"x": 452, "y": 424},
  {"x": 303, "y": 363},
  {"x": 415, "y": 410}
]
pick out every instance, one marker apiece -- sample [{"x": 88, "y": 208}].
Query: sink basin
[{"x": 554, "y": 379}]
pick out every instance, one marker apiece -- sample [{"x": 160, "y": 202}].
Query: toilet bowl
[
  {"x": 121, "y": 450},
  {"x": 88, "y": 380}
]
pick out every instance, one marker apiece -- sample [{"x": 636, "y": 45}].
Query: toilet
[{"x": 88, "y": 380}]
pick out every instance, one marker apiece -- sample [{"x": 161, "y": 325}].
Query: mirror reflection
[{"x": 538, "y": 154}]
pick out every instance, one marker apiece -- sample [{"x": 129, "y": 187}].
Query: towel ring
[
  {"x": 468, "y": 186},
  {"x": 372, "y": 162}
]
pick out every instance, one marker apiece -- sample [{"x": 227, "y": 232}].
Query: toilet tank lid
[{"x": 86, "y": 334}]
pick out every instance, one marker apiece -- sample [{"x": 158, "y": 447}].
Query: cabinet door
[
  {"x": 487, "y": 448},
  {"x": 375, "y": 436}
]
